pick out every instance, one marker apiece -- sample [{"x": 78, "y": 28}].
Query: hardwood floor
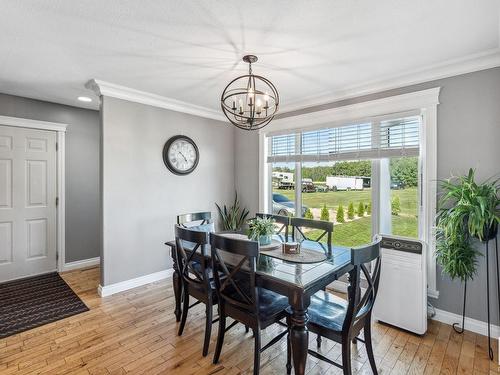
[{"x": 135, "y": 332}]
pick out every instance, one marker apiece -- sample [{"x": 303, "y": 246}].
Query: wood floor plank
[{"x": 135, "y": 332}]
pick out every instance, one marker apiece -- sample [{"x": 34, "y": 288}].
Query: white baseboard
[
  {"x": 108, "y": 290},
  {"x": 85, "y": 263},
  {"x": 473, "y": 325}
]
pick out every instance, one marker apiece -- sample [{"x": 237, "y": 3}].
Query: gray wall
[
  {"x": 246, "y": 171},
  {"x": 468, "y": 136},
  {"x": 82, "y": 168},
  {"x": 140, "y": 197}
]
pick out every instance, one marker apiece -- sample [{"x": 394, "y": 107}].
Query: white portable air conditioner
[{"x": 402, "y": 294}]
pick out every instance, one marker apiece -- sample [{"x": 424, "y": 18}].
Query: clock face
[{"x": 180, "y": 155}]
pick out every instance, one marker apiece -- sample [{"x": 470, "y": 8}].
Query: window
[
  {"x": 340, "y": 192},
  {"x": 388, "y": 133},
  {"x": 336, "y": 181}
]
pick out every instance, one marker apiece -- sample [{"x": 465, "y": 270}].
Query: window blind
[
  {"x": 368, "y": 140},
  {"x": 283, "y": 146}
]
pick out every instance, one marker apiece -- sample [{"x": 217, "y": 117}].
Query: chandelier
[{"x": 250, "y": 101}]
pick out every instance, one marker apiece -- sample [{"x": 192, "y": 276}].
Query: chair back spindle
[
  {"x": 325, "y": 228},
  {"x": 360, "y": 304},
  {"x": 234, "y": 265},
  {"x": 194, "y": 270}
]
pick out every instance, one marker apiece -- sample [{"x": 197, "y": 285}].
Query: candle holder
[{"x": 291, "y": 248}]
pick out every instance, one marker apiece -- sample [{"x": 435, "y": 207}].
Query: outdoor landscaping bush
[
  {"x": 361, "y": 209},
  {"x": 350, "y": 211},
  {"x": 369, "y": 208},
  {"x": 308, "y": 214},
  {"x": 340, "y": 214},
  {"x": 325, "y": 214},
  {"x": 395, "y": 206}
]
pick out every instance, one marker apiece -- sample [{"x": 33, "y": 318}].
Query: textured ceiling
[{"x": 189, "y": 50}]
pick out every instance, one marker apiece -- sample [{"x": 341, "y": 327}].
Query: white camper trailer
[{"x": 344, "y": 183}]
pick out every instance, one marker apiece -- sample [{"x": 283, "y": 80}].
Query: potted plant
[
  {"x": 261, "y": 229},
  {"x": 467, "y": 210},
  {"x": 232, "y": 218}
]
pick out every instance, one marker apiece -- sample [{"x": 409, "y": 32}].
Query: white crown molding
[
  {"x": 102, "y": 88},
  {"x": 33, "y": 124},
  {"x": 450, "y": 68},
  {"x": 378, "y": 107},
  {"x": 79, "y": 264},
  {"x": 108, "y": 290}
]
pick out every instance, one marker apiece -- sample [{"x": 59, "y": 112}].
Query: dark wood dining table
[{"x": 297, "y": 281}]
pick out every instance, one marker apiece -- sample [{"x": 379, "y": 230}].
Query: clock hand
[{"x": 183, "y": 156}]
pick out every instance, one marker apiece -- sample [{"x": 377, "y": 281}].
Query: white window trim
[{"x": 426, "y": 101}]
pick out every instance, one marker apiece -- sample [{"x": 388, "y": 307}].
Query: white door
[{"x": 27, "y": 202}]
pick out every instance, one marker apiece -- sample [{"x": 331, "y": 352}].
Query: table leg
[
  {"x": 299, "y": 338},
  {"x": 176, "y": 280}
]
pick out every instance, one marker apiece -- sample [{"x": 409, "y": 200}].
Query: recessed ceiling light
[{"x": 84, "y": 99}]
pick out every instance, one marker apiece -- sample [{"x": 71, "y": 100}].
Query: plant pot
[
  {"x": 491, "y": 232},
  {"x": 265, "y": 240}
]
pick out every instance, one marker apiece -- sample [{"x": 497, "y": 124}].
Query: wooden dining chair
[
  {"x": 283, "y": 221},
  {"x": 196, "y": 276},
  {"x": 342, "y": 321},
  {"x": 185, "y": 220},
  {"x": 238, "y": 295},
  {"x": 325, "y": 227}
]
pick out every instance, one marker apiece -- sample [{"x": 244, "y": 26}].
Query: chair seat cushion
[
  {"x": 327, "y": 311},
  {"x": 271, "y": 304}
]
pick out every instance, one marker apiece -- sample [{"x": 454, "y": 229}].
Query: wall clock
[{"x": 181, "y": 155}]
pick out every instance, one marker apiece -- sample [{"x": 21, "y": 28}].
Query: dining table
[{"x": 297, "y": 281}]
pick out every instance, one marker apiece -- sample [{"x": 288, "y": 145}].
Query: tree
[
  {"x": 369, "y": 208},
  {"x": 350, "y": 211},
  {"x": 361, "y": 209},
  {"x": 308, "y": 214},
  {"x": 325, "y": 214},
  {"x": 405, "y": 171},
  {"x": 395, "y": 206},
  {"x": 340, "y": 214},
  {"x": 341, "y": 168}
]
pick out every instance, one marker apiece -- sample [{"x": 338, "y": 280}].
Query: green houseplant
[
  {"x": 261, "y": 229},
  {"x": 233, "y": 217},
  {"x": 467, "y": 210}
]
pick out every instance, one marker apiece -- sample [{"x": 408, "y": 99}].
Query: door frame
[{"x": 60, "y": 130}]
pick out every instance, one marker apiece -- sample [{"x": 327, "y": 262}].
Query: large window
[
  {"x": 361, "y": 176},
  {"x": 396, "y": 136}
]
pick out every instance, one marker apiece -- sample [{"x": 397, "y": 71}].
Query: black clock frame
[{"x": 170, "y": 167}]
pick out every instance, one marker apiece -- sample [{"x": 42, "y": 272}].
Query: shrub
[
  {"x": 308, "y": 214},
  {"x": 340, "y": 214},
  {"x": 361, "y": 209},
  {"x": 369, "y": 208},
  {"x": 395, "y": 206},
  {"x": 325, "y": 214},
  {"x": 350, "y": 211}
]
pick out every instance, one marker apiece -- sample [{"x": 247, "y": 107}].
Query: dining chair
[
  {"x": 325, "y": 227},
  {"x": 238, "y": 295},
  {"x": 196, "y": 277},
  {"x": 284, "y": 221},
  {"x": 341, "y": 321},
  {"x": 186, "y": 220}
]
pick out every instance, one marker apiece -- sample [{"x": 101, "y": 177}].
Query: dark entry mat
[{"x": 35, "y": 301}]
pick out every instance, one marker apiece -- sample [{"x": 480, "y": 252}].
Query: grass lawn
[
  {"x": 332, "y": 199},
  {"x": 358, "y": 231}
]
